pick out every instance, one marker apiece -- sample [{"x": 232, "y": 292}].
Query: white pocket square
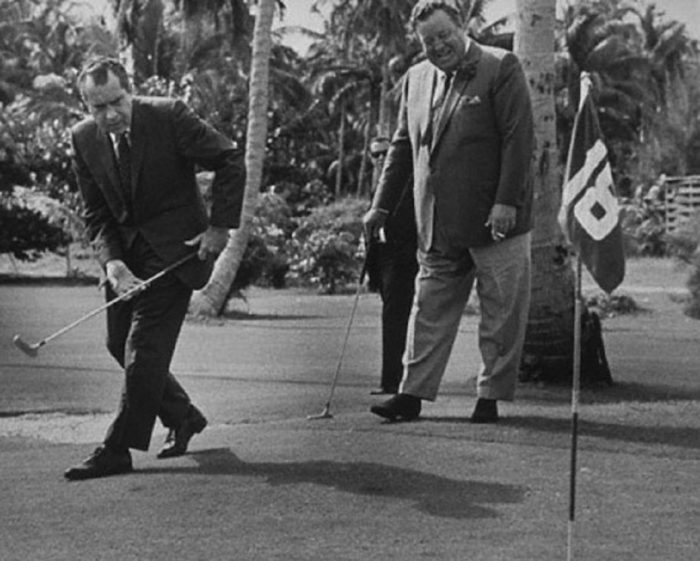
[{"x": 476, "y": 100}]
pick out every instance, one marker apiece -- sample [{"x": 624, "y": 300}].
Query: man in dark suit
[
  {"x": 134, "y": 159},
  {"x": 465, "y": 123},
  {"x": 393, "y": 256}
]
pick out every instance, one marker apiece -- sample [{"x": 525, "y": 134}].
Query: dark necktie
[
  {"x": 445, "y": 82},
  {"x": 124, "y": 162},
  {"x": 442, "y": 87}
]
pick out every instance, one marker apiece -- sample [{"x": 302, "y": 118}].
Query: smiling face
[
  {"x": 443, "y": 40},
  {"x": 108, "y": 103}
]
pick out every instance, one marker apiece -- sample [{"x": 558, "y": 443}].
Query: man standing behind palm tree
[{"x": 394, "y": 261}]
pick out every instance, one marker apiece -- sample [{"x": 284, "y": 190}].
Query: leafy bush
[
  {"x": 25, "y": 232},
  {"x": 645, "y": 231},
  {"x": 253, "y": 263},
  {"x": 327, "y": 245},
  {"x": 301, "y": 200},
  {"x": 273, "y": 226},
  {"x": 265, "y": 260},
  {"x": 35, "y": 151},
  {"x": 611, "y": 305},
  {"x": 685, "y": 244}
]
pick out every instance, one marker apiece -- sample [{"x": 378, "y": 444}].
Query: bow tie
[{"x": 467, "y": 69}]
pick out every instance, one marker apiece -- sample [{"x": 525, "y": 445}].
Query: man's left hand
[
  {"x": 211, "y": 242},
  {"x": 501, "y": 220}
]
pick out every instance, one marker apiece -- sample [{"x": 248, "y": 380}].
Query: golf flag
[{"x": 590, "y": 214}]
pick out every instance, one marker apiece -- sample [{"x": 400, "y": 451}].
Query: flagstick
[{"x": 575, "y": 386}]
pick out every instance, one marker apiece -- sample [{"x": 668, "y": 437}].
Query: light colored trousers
[{"x": 443, "y": 285}]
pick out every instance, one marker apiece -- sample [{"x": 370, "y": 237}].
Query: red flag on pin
[{"x": 590, "y": 213}]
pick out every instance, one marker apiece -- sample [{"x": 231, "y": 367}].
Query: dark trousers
[
  {"x": 141, "y": 336},
  {"x": 398, "y": 268}
]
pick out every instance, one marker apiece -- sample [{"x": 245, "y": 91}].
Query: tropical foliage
[
  {"x": 325, "y": 105},
  {"x": 642, "y": 65}
]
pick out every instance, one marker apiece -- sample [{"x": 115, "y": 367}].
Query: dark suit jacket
[
  {"x": 398, "y": 252},
  {"x": 167, "y": 141},
  {"x": 479, "y": 153}
]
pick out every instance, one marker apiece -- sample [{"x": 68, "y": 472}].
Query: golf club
[
  {"x": 326, "y": 413},
  {"x": 32, "y": 349}
]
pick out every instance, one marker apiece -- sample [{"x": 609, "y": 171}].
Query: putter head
[
  {"x": 325, "y": 414},
  {"x": 26, "y": 348}
]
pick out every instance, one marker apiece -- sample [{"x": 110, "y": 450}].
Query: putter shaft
[
  {"x": 31, "y": 349},
  {"x": 326, "y": 413}
]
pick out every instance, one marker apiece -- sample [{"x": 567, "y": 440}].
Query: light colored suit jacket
[
  {"x": 479, "y": 153},
  {"x": 167, "y": 141}
]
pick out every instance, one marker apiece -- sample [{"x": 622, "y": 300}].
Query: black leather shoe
[
  {"x": 485, "y": 411},
  {"x": 402, "y": 407},
  {"x": 101, "y": 463},
  {"x": 177, "y": 440}
]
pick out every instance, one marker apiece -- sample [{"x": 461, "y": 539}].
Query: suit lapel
[{"x": 464, "y": 75}]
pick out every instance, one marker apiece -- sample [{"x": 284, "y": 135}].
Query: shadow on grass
[
  {"x": 539, "y": 430},
  {"x": 431, "y": 494},
  {"x": 27, "y": 280},
  {"x": 240, "y": 317},
  {"x": 266, "y": 317},
  {"x": 682, "y": 437},
  {"x": 619, "y": 392},
  {"x": 636, "y": 391}
]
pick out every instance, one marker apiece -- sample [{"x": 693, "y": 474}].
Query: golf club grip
[{"x": 145, "y": 284}]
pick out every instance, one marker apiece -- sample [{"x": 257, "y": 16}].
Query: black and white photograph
[{"x": 349, "y": 280}]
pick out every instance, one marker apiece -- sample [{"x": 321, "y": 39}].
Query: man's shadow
[
  {"x": 541, "y": 428},
  {"x": 431, "y": 494}
]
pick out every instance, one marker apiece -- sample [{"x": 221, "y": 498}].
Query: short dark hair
[
  {"x": 98, "y": 69},
  {"x": 425, "y": 8},
  {"x": 379, "y": 146}
]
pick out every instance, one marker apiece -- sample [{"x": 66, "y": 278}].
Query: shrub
[
  {"x": 645, "y": 231},
  {"x": 685, "y": 244},
  {"x": 302, "y": 200},
  {"x": 273, "y": 226},
  {"x": 26, "y": 233},
  {"x": 610, "y": 305},
  {"x": 35, "y": 151},
  {"x": 327, "y": 245},
  {"x": 253, "y": 263}
]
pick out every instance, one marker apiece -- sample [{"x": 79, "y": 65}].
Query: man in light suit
[
  {"x": 465, "y": 123},
  {"x": 134, "y": 160}
]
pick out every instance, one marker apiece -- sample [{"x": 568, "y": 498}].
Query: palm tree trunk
[
  {"x": 361, "y": 183},
  {"x": 384, "y": 117},
  {"x": 341, "y": 151},
  {"x": 139, "y": 46},
  {"x": 211, "y": 300},
  {"x": 123, "y": 10},
  {"x": 549, "y": 338}
]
